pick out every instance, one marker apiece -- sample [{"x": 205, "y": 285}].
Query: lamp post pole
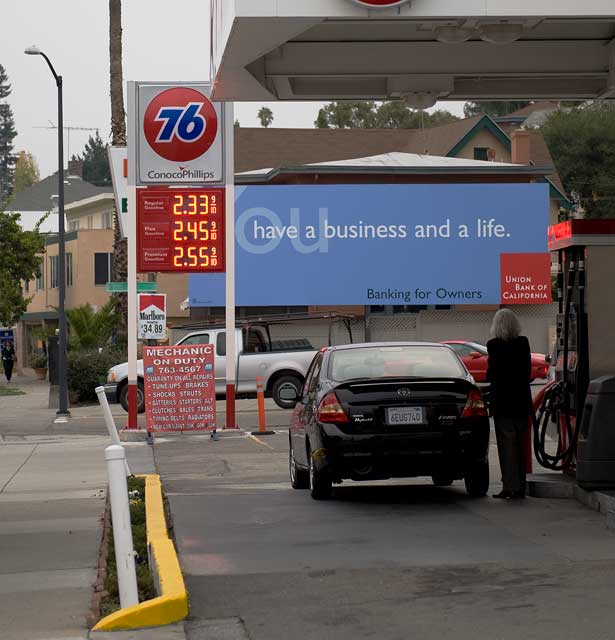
[{"x": 63, "y": 387}]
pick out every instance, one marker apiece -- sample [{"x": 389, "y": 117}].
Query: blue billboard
[{"x": 411, "y": 244}]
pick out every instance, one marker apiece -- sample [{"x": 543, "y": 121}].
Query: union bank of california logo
[{"x": 379, "y": 4}]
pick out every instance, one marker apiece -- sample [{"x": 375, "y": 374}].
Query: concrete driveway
[{"x": 391, "y": 560}]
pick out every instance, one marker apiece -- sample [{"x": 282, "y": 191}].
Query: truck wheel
[
  {"x": 280, "y": 383},
  {"x": 477, "y": 479},
  {"x": 140, "y": 397}
]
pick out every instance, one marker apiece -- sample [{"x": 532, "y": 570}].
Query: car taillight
[
  {"x": 330, "y": 410},
  {"x": 475, "y": 406}
]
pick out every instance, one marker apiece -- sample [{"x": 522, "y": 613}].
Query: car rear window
[{"x": 394, "y": 362}]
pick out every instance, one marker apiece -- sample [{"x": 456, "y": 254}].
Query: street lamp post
[{"x": 63, "y": 399}]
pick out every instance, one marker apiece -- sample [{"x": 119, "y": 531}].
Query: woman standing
[
  {"x": 8, "y": 359},
  {"x": 509, "y": 372}
]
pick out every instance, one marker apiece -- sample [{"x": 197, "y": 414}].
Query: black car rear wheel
[
  {"x": 299, "y": 478},
  {"x": 321, "y": 486},
  {"x": 477, "y": 479}
]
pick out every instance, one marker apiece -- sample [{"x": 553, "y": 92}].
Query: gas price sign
[{"x": 180, "y": 230}]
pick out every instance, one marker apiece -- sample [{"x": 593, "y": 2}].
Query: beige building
[{"x": 89, "y": 264}]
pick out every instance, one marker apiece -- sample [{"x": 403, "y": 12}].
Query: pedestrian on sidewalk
[
  {"x": 509, "y": 372},
  {"x": 8, "y": 359}
]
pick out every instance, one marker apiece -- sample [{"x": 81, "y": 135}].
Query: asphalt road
[{"x": 385, "y": 560}]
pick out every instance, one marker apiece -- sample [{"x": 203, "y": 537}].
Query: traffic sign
[
  {"x": 179, "y": 134},
  {"x": 122, "y": 287}
]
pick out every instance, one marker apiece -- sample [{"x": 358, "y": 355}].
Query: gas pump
[{"x": 585, "y": 348}]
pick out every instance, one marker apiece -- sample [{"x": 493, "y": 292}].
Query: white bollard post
[
  {"x": 109, "y": 421},
  {"x": 122, "y": 531}
]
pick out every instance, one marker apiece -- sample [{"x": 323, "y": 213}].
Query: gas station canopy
[{"x": 420, "y": 50}]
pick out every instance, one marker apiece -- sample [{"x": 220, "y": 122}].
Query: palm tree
[
  {"x": 265, "y": 115},
  {"x": 93, "y": 329},
  {"x": 118, "y": 138}
]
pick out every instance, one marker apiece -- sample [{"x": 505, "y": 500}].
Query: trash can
[
  {"x": 596, "y": 444},
  {"x": 52, "y": 361}
]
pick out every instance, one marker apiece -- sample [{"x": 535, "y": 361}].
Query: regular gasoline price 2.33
[{"x": 181, "y": 230}]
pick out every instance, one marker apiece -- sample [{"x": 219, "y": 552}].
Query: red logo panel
[
  {"x": 525, "y": 278},
  {"x": 377, "y": 4},
  {"x": 180, "y": 124}
]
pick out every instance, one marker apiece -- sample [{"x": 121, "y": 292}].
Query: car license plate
[{"x": 405, "y": 415}]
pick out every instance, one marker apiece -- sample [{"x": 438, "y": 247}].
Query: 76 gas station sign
[{"x": 178, "y": 137}]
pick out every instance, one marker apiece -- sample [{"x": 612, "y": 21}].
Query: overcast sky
[{"x": 158, "y": 45}]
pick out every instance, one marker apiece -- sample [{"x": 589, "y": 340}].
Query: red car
[{"x": 474, "y": 357}]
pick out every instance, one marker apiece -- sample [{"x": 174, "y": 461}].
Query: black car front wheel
[
  {"x": 477, "y": 479},
  {"x": 321, "y": 485},
  {"x": 299, "y": 478}
]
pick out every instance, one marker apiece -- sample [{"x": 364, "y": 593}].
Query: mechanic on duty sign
[
  {"x": 179, "y": 134},
  {"x": 152, "y": 316},
  {"x": 180, "y": 388}
]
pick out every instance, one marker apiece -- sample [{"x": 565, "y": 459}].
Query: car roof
[{"x": 363, "y": 345}]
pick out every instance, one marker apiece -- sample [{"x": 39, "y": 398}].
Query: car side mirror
[
  {"x": 289, "y": 394},
  {"x": 475, "y": 354}
]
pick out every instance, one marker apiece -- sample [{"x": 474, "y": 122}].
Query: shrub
[
  {"x": 39, "y": 361},
  {"x": 88, "y": 369}
]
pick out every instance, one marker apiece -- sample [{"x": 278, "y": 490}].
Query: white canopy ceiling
[{"x": 422, "y": 50}]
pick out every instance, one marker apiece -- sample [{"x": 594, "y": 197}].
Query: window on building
[
  {"x": 40, "y": 278},
  {"x": 103, "y": 267},
  {"x": 106, "y": 220},
  {"x": 26, "y": 286},
  {"x": 53, "y": 272},
  {"x": 481, "y": 153},
  {"x": 74, "y": 225},
  {"x": 69, "y": 269},
  {"x": 90, "y": 222}
]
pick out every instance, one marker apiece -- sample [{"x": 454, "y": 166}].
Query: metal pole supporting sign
[{"x": 231, "y": 343}]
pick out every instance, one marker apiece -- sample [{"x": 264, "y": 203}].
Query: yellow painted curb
[{"x": 172, "y": 603}]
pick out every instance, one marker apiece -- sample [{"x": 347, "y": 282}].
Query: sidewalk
[{"x": 52, "y": 497}]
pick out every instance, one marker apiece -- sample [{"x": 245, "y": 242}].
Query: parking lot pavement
[{"x": 391, "y": 560}]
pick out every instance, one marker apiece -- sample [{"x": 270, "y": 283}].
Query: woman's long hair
[{"x": 506, "y": 325}]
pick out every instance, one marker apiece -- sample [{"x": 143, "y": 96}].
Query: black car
[{"x": 388, "y": 410}]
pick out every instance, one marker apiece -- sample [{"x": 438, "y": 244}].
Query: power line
[{"x": 68, "y": 128}]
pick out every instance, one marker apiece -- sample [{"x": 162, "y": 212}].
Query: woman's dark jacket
[{"x": 509, "y": 372}]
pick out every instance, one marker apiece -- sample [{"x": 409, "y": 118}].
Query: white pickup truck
[{"x": 279, "y": 363}]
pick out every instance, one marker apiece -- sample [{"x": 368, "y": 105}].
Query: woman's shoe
[{"x": 504, "y": 495}]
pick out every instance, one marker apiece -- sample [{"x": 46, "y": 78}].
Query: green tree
[
  {"x": 19, "y": 262},
  {"x": 26, "y": 171},
  {"x": 493, "y": 108},
  {"x": 96, "y": 168},
  {"x": 582, "y": 145},
  {"x": 92, "y": 329},
  {"x": 367, "y": 114},
  {"x": 265, "y": 115},
  {"x": 7, "y": 135}
]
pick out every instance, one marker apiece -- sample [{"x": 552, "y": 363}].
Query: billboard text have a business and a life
[{"x": 413, "y": 244}]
